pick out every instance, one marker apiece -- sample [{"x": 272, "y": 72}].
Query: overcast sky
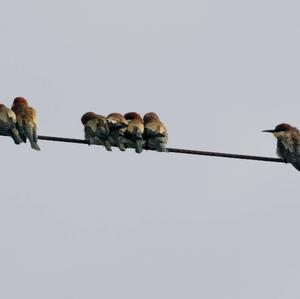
[{"x": 78, "y": 222}]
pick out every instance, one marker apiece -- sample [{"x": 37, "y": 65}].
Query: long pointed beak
[{"x": 269, "y": 131}]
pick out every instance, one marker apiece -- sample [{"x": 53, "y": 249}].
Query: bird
[
  {"x": 135, "y": 130},
  {"x": 288, "y": 143},
  {"x": 8, "y": 121},
  {"x": 155, "y": 134},
  {"x": 117, "y": 124},
  {"x": 26, "y": 121},
  {"x": 96, "y": 129}
]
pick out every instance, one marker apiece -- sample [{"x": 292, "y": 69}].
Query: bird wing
[
  {"x": 11, "y": 114},
  {"x": 288, "y": 147},
  {"x": 283, "y": 152},
  {"x": 102, "y": 125},
  {"x": 92, "y": 124},
  {"x": 135, "y": 127},
  {"x": 116, "y": 119},
  {"x": 3, "y": 114},
  {"x": 163, "y": 130},
  {"x": 156, "y": 128},
  {"x": 296, "y": 138},
  {"x": 29, "y": 116},
  {"x": 7, "y": 119}
]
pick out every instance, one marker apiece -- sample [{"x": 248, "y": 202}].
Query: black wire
[
  {"x": 176, "y": 150},
  {"x": 62, "y": 139}
]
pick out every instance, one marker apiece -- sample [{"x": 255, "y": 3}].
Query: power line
[{"x": 176, "y": 150}]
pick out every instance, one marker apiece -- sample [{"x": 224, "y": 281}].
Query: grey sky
[{"x": 78, "y": 222}]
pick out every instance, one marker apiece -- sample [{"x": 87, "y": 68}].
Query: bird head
[
  {"x": 115, "y": 115},
  {"x": 150, "y": 117},
  {"x": 133, "y": 116},
  {"x": 116, "y": 119},
  {"x": 18, "y": 104},
  {"x": 279, "y": 130},
  {"x": 20, "y": 101},
  {"x": 87, "y": 117}
]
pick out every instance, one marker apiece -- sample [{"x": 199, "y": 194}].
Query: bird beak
[{"x": 269, "y": 131}]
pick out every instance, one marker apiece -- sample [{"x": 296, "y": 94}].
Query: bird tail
[
  {"x": 34, "y": 145},
  {"x": 120, "y": 144},
  {"x": 21, "y": 133},
  {"x": 139, "y": 146},
  {"x": 297, "y": 165},
  {"x": 30, "y": 132},
  {"x": 107, "y": 145},
  {"x": 15, "y": 135},
  {"x": 160, "y": 144},
  {"x": 161, "y": 147},
  {"x": 121, "y": 141}
]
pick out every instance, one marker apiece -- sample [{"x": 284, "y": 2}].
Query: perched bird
[
  {"x": 155, "y": 133},
  {"x": 288, "y": 143},
  {"x": 117, "y": 127},
  {"x": 96, "y": 129},
  {"x": 135, "y": 131},
  {"x": 26, "y": 121},
  {"x": 8, "y": 124}
]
